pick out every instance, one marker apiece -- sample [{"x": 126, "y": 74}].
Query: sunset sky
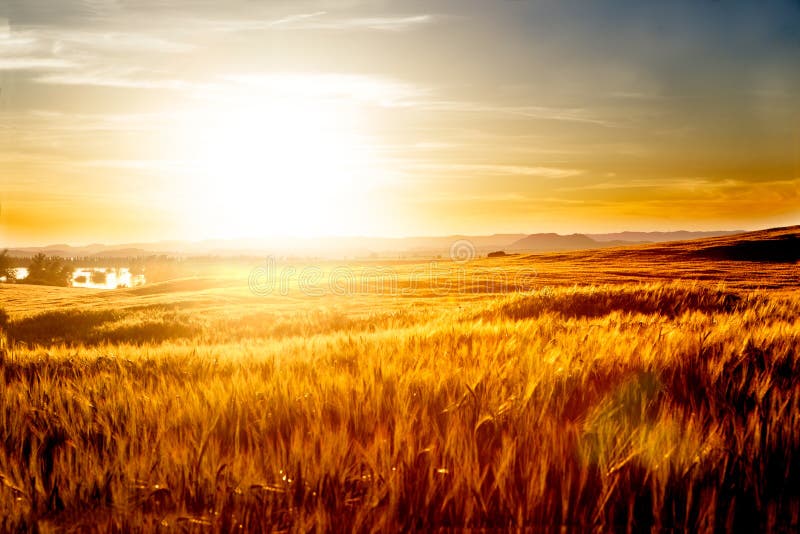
[{"x": 127, "y": 121}]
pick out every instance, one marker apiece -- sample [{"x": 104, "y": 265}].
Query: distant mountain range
[
  {"x": 362, "y": 247},
  {"x": 562, "y": 243}
]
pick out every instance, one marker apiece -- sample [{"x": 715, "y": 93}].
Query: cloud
[
  {"x": 34, "y": 63},
  {"x": 359, "y": 87},
  {"x": 504, "y": 170},
  {"x": 317, "y": 20},
  {"x": 23, "y": 52},
  {"x": 124, "y": 122},
  {"x": 62, "y": 40},
  {"x": 294, "y": 19},
  {"x": 224, "y": 24},
  {"x": 579, "y": 115},
  {"x": 117, "y": 42},
  {"x": 124, "y": 78},
  {"x": 314, "y": 86},
  {"x": 73, "y": 54},
  {"x": 168, "y": 165},
  {"x": 391, "y": 23},
  {"x": 690, "y": 183}
]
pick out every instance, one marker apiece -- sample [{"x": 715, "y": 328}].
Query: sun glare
[{"x": 265, "y": 166}]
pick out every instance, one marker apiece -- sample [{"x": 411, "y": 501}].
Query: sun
[{"x": 257, "y": 166}]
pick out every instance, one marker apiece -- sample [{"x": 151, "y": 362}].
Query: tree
[
  {"x": 6, "y": 267},
  {"x": 48, "y": 271}
]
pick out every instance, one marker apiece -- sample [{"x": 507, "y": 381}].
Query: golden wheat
[{"x": 658, "y": 405}]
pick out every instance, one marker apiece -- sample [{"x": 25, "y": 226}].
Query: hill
[
  {"x": 554, "y": 243},
  {"x": 779, "y": 245},
  {"x": 658, "y": 237}
]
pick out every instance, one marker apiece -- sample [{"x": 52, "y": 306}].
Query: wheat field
[{"x": 617, "y": 390}]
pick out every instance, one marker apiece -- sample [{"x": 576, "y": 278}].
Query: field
[{"x": 632, "y": 388}]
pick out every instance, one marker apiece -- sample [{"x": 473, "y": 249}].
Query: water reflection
[
  {"x": 96, "y": 277},
  {"x": 100, "y": 278}
]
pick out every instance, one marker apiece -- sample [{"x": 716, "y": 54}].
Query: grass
[{"x": 595, "y": 404}]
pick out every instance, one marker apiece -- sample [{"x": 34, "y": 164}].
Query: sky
[{"x": 130, "y": 121}]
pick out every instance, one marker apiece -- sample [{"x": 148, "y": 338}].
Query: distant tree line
[{"x": 55, "y": 270}]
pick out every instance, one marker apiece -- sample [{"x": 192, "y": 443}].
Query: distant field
[{"x": 655, "y": 386}]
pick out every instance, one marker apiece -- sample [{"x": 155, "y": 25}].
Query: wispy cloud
[
  {"x": 240, "y": 24},
  {"x": 693, "y": 183},
  {"x": 47, "y": 120},
  {"x": 131, "y": 78},
  {"x": 315, "y": 20},
  {"x": 74, "y": 55},
  {"x": 21, "y": 52},
  {"x": 34, "y": 63},
  {"x": 681, "y": 192},
  {"x": 168, "y": 165},
  {"x": 504, "y": 170},
  {"x": 578, "y": 115},
  {"x": 359, "y": 87},
  {"x": 366, "y": 23},
  {"x": 70, "y": 44},
  {"x": 318, "y": 20},
  {"x": 62, "y": 40},
  {"x": 295, "y": 19}
]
